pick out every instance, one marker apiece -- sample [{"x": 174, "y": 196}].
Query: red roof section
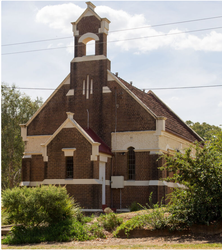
[
  {"x": 103, "y": 148},
  {"x": 173, "y": 123}
]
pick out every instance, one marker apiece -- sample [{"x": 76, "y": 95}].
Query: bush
[
  {"x": 154, "y": 217},
  {"x": 110, "y": 221},
  {"x": 66, "y": 230},
  {"x": 200, "y": 170},
  {"x": 43, "y": 204},
  {"x": 134, "y": 207}
]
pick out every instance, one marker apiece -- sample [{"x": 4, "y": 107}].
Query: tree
[
  {"x": 200, "y": 170},
  {"x": 204, "y": 130},
  {"x": 17, "y": 108}
]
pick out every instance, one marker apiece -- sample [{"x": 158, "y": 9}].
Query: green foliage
[
  {"x": 96, "y": 231},
  {"x": 157, "y": 218},
  {"x": 66, "y": 230},
  {"x": 16, "y": 109},
  {"x": 5, "y": 217},
  {"x": 154, "y": 217},
  {"x": 33, "y": 206},
  {"x": 204, "y": 130},
  {"x": 134, "y": 207},
  {"x": 110, "y": 221},
  {"x": 200, "y": 170}
]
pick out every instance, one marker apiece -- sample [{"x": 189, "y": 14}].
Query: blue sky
[{"x": 186, "y": 59}]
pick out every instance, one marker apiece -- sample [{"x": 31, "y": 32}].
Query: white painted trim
[
  {"x": 106, "y": 89},
  {"x": 104, "y": 26},
  {"x": 68, "y": 151},
  {"x": 65, "y": 81},
  {"x": 112, "y": 77},
  {"x": 35, "y": 183},
  {"x": 70, "y": 92},
  {"x": 27, "y": 156},
  {"x": 176, "y": 138},
  {"x": 33, "y": 153},
  {"x": 72, "y": 181},
  {"x": 105, "y": 155},
  {"x": 23, "y": 132},
  {"x": 99, "y": 182},
  {"x": 87, "y": 87},
  {"x": 24, "y": 183},
  {"x": 136, "y": 132},
  {"x": 95, "y": 145},
  {"x": 88, "y": 37},
  {"x": 89, "y": 58},
  {"x": 91, "y": 87},
  {"x": 91, "y": 210},
  {"x": 35, "y": 136},
  {"x": 102, "y": 178},
  {"x": 103, "y": 158},
  {"x": 122, "y": 210},
  {"x": 152, "y": 183},
  {"x": 147, "y": 150},
  {"x": 87, "y": 12},
  {"x": 83, "y": 87}
]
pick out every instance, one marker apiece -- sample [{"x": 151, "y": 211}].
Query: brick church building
[{"x": 98, "y": 135}]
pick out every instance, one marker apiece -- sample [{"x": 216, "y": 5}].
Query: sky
[{"x": 142, "y": 47}]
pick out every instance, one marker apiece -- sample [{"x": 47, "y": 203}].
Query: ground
[
  {"x": 151, "y": 242},
  {"x": 188, "y": 241}
]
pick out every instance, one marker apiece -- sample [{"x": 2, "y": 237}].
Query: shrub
[
  {"x": 43, "y": 204},
  {"x": 110, "y": 221},
  {"x": 134, "y": 207},
  {"x": 66, "y": 230},
  {"x": 200, "y": 170},
  {"x": 154, "y": 217}
]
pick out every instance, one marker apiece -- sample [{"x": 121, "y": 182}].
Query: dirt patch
[{"x": 136, "y": 242}]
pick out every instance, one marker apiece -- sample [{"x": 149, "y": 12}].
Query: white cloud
[
  {"x": 60, "y": 16},
  {"x": 220, "y": 104}
]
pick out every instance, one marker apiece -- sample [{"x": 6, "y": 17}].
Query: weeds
[{"x": 110, "y": 221}]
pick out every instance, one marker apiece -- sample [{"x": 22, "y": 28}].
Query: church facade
[{"x": 98, "y": 135}]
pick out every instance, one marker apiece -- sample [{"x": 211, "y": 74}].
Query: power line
[
  {"x": 165, "y": 24},
  {"x": 37, "y": 41},
  {"x": 165, "y": 88},
  {"x": 112, "y": 31},
  {"x": 135, "y": 38}
]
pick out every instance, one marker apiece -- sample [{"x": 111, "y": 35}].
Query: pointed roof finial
[{"x": 90, "y": 5}]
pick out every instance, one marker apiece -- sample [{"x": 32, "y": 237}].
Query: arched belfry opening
[
  {"x": 88, "y": 41},
  {"x": 90, "y": 27}
]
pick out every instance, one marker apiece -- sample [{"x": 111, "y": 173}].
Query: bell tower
[
  {"x": 89, "y": 27},
  {"x": 88, "y": 77}
]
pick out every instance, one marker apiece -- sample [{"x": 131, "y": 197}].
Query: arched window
[
  {"x": 89, "y": 39},
  {"x": 90, "y": 48},
  {"x": 131, "y": 163}
]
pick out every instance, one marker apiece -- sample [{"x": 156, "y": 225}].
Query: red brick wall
[
  {"x": 69, "y": 138},
  {"x": 88, "y": 196},
  {"x": 146, "y": 166},
  {"x": 26, "y": 167},
  {"x": 52, "y": 115},
  {"x": 37, "y": 168}
]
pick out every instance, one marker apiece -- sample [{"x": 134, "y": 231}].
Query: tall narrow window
[
  {"x": 131, "y": 163},
  {"x": 69, "y": 167}
]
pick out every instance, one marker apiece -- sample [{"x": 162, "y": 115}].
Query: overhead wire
[
  {"x": 112, "y": 31},
  {"x": 135, "y": 38},
  {"x": 164, "y": 88}
]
